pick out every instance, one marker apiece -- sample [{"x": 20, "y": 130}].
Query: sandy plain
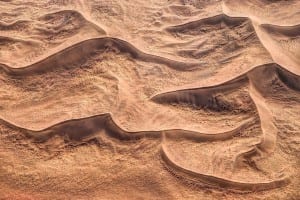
[{"x": 158, "y": 99}]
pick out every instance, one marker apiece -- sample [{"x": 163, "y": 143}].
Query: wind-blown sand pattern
[{"x": 183, "y": 99}]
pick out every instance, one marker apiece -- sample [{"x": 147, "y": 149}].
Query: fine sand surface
[{"x": 157, "y": 99}]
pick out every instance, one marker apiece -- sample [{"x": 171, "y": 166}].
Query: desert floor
[{"x": 150, "y": 99}]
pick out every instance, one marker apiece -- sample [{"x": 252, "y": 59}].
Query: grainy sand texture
[{"x": 150, "y": 99}]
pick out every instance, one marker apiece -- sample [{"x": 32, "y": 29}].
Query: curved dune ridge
[
  {"x": 258, "y": 77},
  {"x": 80, "y": 52},
  {"x": 178, "y": 100},
  {"x": 51, "y": 31},
  {"x": 258, "y": 80},
  {"x": 87, "y": 129},
  {"x": 219, "y": 41},
  {"x": 77, "y": 130},
  {"x": 221, "y": 182},
  {"x": 222, "y": 18},
  {"x": 286, "y": 39}
]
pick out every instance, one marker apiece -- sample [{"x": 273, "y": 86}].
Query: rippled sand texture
[{"x": 159, "y": 99}]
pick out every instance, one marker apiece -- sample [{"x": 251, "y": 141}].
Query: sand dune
[
  {"x": 224, "y": 183},
  {"x": 49, "y": 31},
  {"x": 80, "y": 129},
  {"x": 183, "y": 99},
  {"x": 80, "y": 52}
]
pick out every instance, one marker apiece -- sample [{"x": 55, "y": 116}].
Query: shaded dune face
[
  {"x": 188, "y": 99},
  {"x": 270, "y": 80},
  {"x": 218, "y": 42},
  {"x": 227, "y": 32}
]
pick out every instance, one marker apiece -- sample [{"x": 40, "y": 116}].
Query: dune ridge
[
  {"x": 80, "y": 51},
  {"x": 78, "y": 129},
  {"x": 218, "y": 182}
]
